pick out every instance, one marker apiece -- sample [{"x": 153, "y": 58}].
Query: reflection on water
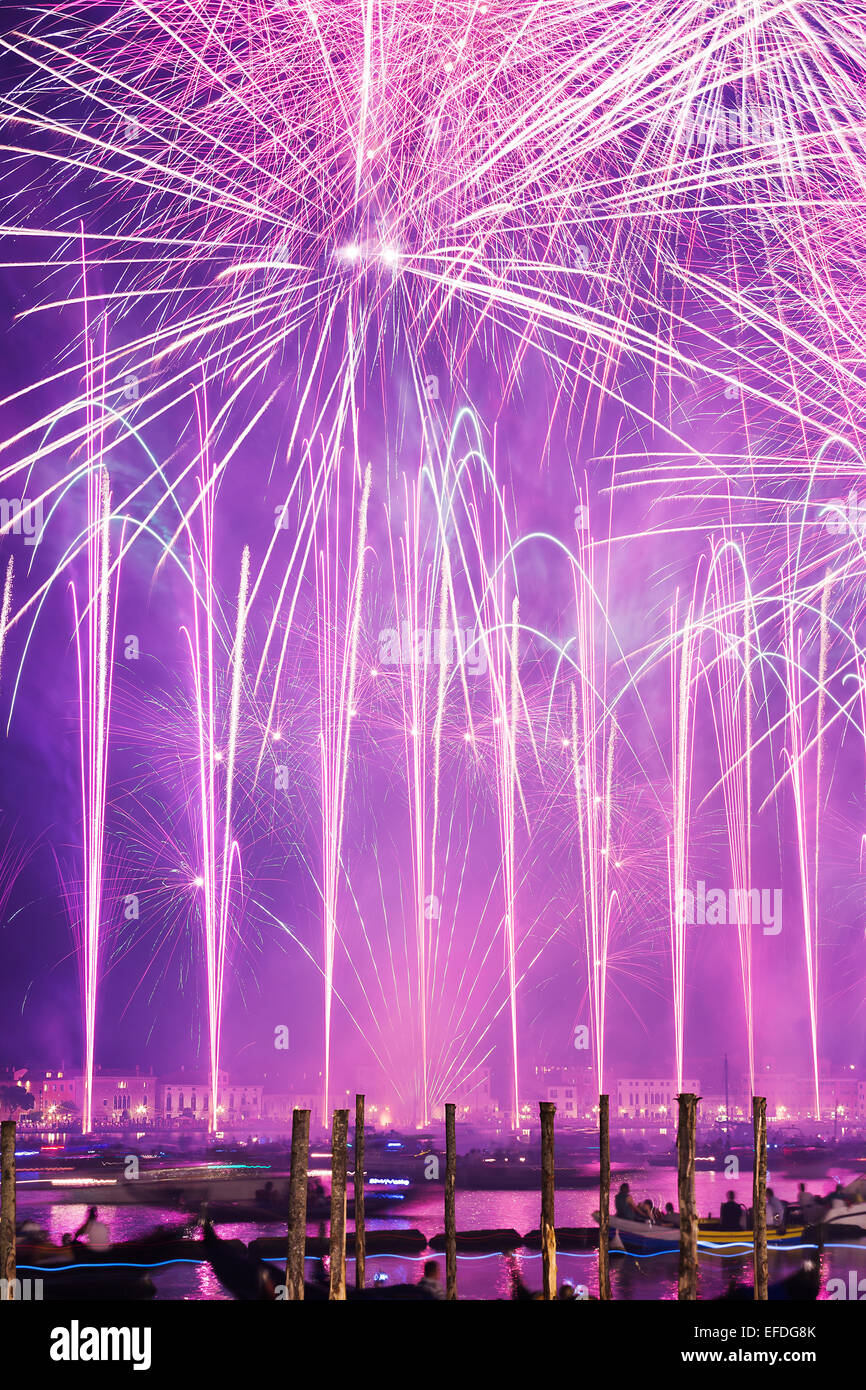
[{"x": 487, "y": 1276}]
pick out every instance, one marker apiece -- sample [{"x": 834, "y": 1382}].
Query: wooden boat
[
  {"x": 643, "y": 1237},
  {"x": 711, "y": 1234},
  {"x": 239, "y": 1270},
  {"x": 157, "y": 1247},
  {"x": 405, "y": 1242},
  {"x": 476, "y": 1241},
  {"x": 569, "y": 1239}
]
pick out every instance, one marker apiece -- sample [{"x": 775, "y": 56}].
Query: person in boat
[
  {"x": 668, "y": 1217},
  {"x": 775, "y": 1209},
  {"x": 431, "y": 1281},
  {"x": 806, "y": 1200},
  {"x": 626, "y": 1207},
  {"x": 94, "y": 1230},
  {"x": 731, "y": 1215}
]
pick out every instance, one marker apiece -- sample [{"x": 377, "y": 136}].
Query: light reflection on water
[{"x": 487, "y": 1276}]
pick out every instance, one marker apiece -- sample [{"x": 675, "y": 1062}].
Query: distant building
[
  {"x": 714, "y": 1110},
  {"x": 122, "y": 1097},
  {"x": 791, "y": 1096},
  {"x": 187, "y": 1096},
  {"x": 573, "y": 1090},
  {"x": 55, "y": 1093},
  {"x": 474, "y": 1100},
  {"x": 277, "y": 1106},
  {"x": 651, "y": 1098}
]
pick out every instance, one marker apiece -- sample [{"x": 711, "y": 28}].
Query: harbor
[{"x": 220, "y": 1229}]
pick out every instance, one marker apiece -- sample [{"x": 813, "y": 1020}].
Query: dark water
[{"x": 486, "y": 1276}]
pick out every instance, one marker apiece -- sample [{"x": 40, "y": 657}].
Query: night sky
[{"x": 568, "y": 340}]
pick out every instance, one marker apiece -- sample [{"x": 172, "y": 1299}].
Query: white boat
[
  {"x": 842, "y": 1215},
  {"x": 847, "y": 1208},
  {"x": 188, "y": 1186}
]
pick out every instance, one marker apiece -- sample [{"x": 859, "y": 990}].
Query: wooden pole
[
  {"x": 548, "y": 1226},
  {"x": 604, "y": 1197},
  {"x": 686, "y": 1137},
  {"x": 450, "y": 1210},
  {"x": 360, "y": 1228},
  {"x": 759, "y": 1197},
  {"x": 298, "y": 1205},
  {"x": 7, "y": 1205},
  {"x": 339, "y": 1142}
]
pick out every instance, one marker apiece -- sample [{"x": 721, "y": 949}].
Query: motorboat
[{"x": 647, "y": 1237}]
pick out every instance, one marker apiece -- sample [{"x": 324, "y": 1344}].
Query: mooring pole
[
  {"x": 759, "y": 1197},
  {"x": 7, "y": 1206},
  {"x": 298, "y": 1205},
  {"x": 450, "y": 1208},
  {"x": 686, "y": 1137},
  {"x": 360, "y": 1229},
  {"x": 339, "y": 1143},
  {"x": 548, "y": 1218},
  {"x": 604, "y": 1197}
]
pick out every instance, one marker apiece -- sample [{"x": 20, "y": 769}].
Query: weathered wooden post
[
  {"x": 604, "y": 1197},
  {"x": 360, "y": 1229},
  {"x": 298, "y": 1204},
  {"x": 548, "y": 1218},
  {"x": 339, "y": 1142},
  {"x": 450, "y": 1210},
  {"x": 759, "y": 1196},
  {"x": 686, "y": 1138},
  {"x": 7, "y": 1205}
]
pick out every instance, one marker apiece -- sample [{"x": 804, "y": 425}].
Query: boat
[
  {"x": 481, "y": 1240},
  {"x": 184, "y": 1188},
  {"x": 710, "y": 1233},
  {"x": 569, "y": 1239},
  {"x": 846, "y": 1212},
  {"x": 157, "y": 1247},
  {"x": 241, "y": 1271},
  {"x": 643, "y": 1237},
  {"x": 400, "y": 1242}
]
